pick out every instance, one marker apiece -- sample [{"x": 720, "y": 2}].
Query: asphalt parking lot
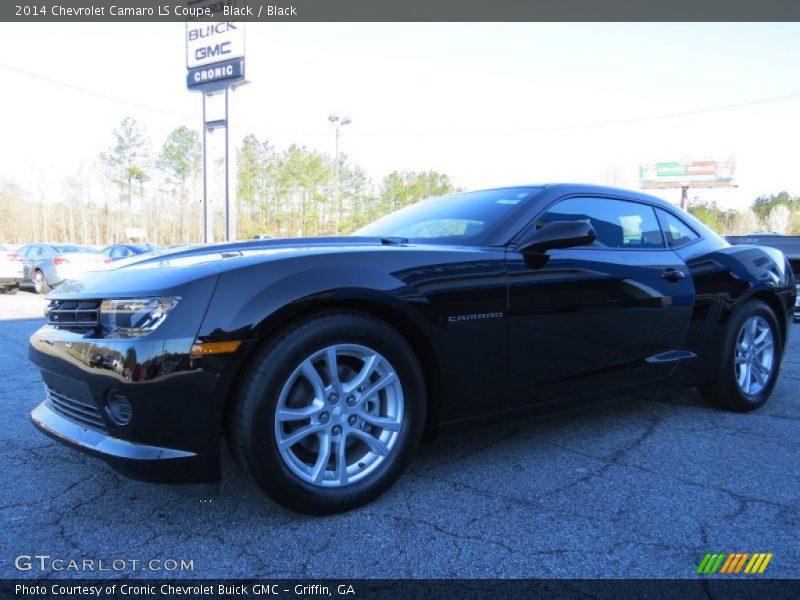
[{"x": 643, "y": 488}]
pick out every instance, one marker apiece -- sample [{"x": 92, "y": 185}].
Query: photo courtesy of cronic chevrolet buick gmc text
[{"x": 324, "y": 361}]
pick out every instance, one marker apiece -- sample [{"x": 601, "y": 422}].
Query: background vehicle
[
  {"x": 118, "y": 251},
  {"x": 788, "y": 244},
  {"x": 47, "y": 265},
  {"x": 11, "y": 272},
  {"x": 324, "y": 360}
]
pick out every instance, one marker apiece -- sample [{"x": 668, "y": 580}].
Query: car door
[{"x": 597, "y": 317}]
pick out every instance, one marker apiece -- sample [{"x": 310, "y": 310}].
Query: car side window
[
  {"x": 618, "y": 223},
  {"x": 34, "y": 252},
  {"x": 676, "y": 231}
]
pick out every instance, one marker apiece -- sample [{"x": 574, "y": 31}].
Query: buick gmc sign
[{"x": 209, "y": 43}]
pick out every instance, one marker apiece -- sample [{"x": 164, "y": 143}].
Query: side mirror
[{"x": 557, "y": 234}]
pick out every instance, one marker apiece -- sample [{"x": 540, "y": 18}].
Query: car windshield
[
  {"x": 465, "y": 218},
  {"x": 73, "y": 248}
]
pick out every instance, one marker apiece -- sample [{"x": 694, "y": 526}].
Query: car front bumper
[
  {"x": 173, "y": 435},
  {"x": 139, "y": 461}
]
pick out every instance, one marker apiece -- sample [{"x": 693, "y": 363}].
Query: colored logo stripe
[
  {"x": 710, "y": 563},
  {"x": 734, "y": 562},
  {"x": 758, "y": 563}
]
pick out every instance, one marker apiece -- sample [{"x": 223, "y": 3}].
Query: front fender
[
  {"x": 242, "y": 309},
  {"x": 249, "y": 304}
]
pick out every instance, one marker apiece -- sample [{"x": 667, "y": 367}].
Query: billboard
[{"x": 689, "y": 171}]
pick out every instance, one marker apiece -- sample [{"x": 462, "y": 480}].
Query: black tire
[
  {"x": 40, "y": 284},
  {"x": 724, "y": 391},
  {"x": 11, "y": 290},
  {"x": 251, "y": 420}
]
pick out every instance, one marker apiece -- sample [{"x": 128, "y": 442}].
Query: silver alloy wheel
[
  {"x": 339, "y": 415},
  {"x": 38, "y": 282},
  {"x": 755, "y": 355}
]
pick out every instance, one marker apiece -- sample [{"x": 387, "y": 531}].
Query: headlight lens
[{"x": 135, "y": 317}]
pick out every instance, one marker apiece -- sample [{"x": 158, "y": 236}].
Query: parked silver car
[
  {"x": 47, "y": 265},
  {"x": 10, "y": 270},
  {"x": 119, "y": 251}
]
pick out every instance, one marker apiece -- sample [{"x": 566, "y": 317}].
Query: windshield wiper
[{"x": 394, "y": 241}]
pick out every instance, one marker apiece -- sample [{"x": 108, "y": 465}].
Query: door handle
[{"x": 672, "y": 275}]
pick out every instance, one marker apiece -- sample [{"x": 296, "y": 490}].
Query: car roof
[{"x": 589, "y": 188}]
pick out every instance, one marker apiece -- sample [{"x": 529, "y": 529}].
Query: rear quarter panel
[{"x": 725, "y": 277}]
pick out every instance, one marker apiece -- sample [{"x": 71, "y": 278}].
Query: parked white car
[{"x": 10, "y": 270}]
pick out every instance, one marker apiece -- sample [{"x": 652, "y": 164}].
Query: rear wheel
[
  {"x": 749, "y": 360},
  {"x": 329, "y": 413},
  {"x": 39, "y": 283}
]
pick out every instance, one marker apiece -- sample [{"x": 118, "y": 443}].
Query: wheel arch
[
  {"x": 771, "y": 299},
  {"x": 406, "y": 326}
]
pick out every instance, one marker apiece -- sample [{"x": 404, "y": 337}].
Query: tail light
[
  {"x": 14, "y": 257},
  {"x": 60, "y": 261},
  {"x": 108, "y": 261}
]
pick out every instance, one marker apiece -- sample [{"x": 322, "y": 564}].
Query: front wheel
[
  {"x": 329, "y": 413},
  {"x": 749, "y": 360}
]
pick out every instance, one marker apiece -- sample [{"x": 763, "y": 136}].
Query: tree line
[
  {"x": 282, "y": 193},
  {"x": 778, "y": 213}
]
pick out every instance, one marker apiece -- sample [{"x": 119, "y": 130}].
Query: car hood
[{"x": 163, "y": 272}]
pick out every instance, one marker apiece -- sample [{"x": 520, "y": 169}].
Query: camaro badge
[{"x": 475, "y": 317}]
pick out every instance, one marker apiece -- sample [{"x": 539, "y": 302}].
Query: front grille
[
  {"x": 81, "y": 412},
  {"x": 74, "y": 315}
]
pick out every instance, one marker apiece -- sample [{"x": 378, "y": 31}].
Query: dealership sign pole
[{"x": 215, "y": 66}]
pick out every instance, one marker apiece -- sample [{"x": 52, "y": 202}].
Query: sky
[{"x": 488, "y": 104}]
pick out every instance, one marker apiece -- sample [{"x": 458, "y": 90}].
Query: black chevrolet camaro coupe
[{"x": 324, "y": 361}]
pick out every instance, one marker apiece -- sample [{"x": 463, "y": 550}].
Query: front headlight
[{"x": 134, "y": 317}]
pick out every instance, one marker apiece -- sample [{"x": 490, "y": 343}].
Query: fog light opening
[{"x": 118, "y": 408}]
